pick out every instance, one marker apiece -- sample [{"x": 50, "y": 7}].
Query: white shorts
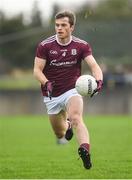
[{"x": 56, "y": 104}]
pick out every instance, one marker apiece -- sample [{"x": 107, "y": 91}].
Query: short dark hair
[{"x": 71, "y": 16}]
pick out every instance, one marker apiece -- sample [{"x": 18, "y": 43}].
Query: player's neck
[{"x": 64, "y": 42}]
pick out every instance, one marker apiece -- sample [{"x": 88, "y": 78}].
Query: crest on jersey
[
  {"x": 73, "y": 52},
  {"x": 53, "y": 52}
]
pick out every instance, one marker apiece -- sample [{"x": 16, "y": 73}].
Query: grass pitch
[{"x": 28, "y": 149}]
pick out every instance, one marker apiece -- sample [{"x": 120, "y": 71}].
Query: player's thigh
[
  {"x": 58, "y": 121},
  {"x": 75, "y": 107}
]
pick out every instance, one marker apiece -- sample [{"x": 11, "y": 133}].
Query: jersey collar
[{"x": 63, "y": 44}]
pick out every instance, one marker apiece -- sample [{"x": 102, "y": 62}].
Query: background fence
[{"x": 109, "y": 101}]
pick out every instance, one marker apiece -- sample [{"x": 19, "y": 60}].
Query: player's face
[{"x": 63, "y": 28}]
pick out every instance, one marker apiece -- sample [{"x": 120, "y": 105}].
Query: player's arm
[
  {"x": 96, "y": 72},
  {"x": 94, "y": 67},
  {"x": 39, "y": 65}
]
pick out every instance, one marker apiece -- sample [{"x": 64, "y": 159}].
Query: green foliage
[
  {"x": 116, "y": 9},
  {"x": 12, "y": 25},
  {"x": 107, "y": 10},
  {"x": 108, "y": 38},
  {"x": 18, "y": 42},
  {"x": 36, "y": 20},
  {"x": 107, "y": 27},
  {"x": 28, "y": 149}
]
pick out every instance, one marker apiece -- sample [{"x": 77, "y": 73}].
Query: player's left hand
[{"x": 99, "y": 87}]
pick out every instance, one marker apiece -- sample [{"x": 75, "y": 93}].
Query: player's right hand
[{"x": 49, "y": 88}]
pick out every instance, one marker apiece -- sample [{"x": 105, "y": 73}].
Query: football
[{"x": 85, "y": 85}]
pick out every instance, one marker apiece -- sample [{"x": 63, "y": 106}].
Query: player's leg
[
  {"x": 59, "y": 125},
  {"x": 58, "y": 118},
  {"x": 75, "y": 113}
]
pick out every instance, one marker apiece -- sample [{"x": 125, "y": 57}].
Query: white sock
[{"x": 62, "y": 140}]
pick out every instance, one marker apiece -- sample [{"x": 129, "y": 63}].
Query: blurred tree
[
  {"x": 2, "y": 18},
  {"x": 36, "y": 19},
  {"x": 56, "y": 9},
  {"x": 107, "y": 27},
  {"x": 12, "y": 25},
  {"x": 18, "y": 40},
  {"x": 114, "y": 9},
  {"x": 9, "y": 50},
  {"x": 107, "y": 9}
]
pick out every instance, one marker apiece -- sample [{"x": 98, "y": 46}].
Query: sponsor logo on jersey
[{"x": 65, "y": 63}]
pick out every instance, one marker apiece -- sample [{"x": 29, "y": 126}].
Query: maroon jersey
[{"x": 63, "y": 62}]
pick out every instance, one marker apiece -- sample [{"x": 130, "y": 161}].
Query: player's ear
[{"x": 72, "y": 28}]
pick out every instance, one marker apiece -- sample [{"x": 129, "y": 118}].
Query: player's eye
[
  {"x": 63, "y": 25},
  {"x": 57, "y": 25},
  {"x": 60, "y": 25}
]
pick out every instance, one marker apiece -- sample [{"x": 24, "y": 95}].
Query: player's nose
[{"x": 59, "y": 27}]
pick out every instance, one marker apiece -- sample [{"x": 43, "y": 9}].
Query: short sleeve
[
  {"x": 87, "y": 50},
  {"x": 41, "y": 51}
]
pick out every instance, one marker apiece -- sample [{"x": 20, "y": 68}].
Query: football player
[{"x": 57, "y": 66}]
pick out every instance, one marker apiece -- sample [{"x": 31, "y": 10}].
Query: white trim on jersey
[
  {"x": 48, "y": 40},
  {"x": 61, "y": 43},
  {"x": 55, "y": 38},
  {"x": 75, "y": 39}
]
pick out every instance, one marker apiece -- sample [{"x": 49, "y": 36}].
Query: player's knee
[{"x": 76, "y": 120}]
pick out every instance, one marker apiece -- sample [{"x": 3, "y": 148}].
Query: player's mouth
[{"x": 60, "y": 33}]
